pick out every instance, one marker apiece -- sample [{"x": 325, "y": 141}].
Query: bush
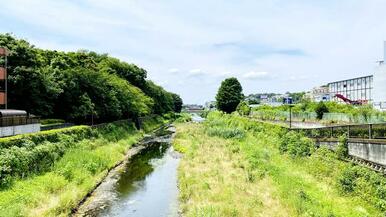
[
  {"x": 226, "y": 133},
  {"x": 320, "y": 109},
  {"x": 342, "y": 148},
  {"x": 51, "y": 121},
  {"x": 243, "y": 108},
  {"x": 78, "y": 132},
  {"x": 362, "y": 182},
  {"x": 296, "y": 145},
  {"x": 183, "y": 117}
]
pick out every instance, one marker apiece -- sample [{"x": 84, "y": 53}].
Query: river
[{"x": 144, "y": 186}]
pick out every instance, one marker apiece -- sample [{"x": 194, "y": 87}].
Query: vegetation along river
[{"x": 145, "y": 185}]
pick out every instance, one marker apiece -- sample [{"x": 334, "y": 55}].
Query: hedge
[
  {"x": 78, "y": 132},
  {"x": 23, "y": 155}
]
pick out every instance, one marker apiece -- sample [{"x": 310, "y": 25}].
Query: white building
[
  {"x": 379, "y": 95},
  {"x": 321, "y": 93}
]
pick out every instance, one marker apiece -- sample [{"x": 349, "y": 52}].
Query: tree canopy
[
  {"x": 229, "y": 95},
  {"x": 75, "y": 85}
]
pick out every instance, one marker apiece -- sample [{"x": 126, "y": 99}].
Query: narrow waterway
[{"x": 145, "y": 186}]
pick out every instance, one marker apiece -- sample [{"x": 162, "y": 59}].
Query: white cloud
[
  {"x": 173, "y": 70},
  {"x": 196, "y": 72},
  {"x": 257, "y": 75},
  {"x": 336, "y": 38}
]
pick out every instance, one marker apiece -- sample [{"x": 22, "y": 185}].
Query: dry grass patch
[{"x": 214, "y": 179}]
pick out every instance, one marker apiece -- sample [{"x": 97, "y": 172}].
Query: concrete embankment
[{"x": 372, "y": 150}]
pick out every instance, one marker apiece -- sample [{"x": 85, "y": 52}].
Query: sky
[{"x": 190, "y": 46}]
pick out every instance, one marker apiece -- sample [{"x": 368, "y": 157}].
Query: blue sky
[{"x": 190, "y": 46}]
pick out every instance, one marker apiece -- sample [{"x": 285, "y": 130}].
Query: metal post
[
  {"x": 348, "y": 131},
  {"x": 370, "y": 131},
  {"x": 6, "y": 83},
  {"x": 290, "y": 126},
  {"x": 332, "y": 132}
]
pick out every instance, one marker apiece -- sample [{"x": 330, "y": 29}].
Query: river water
[{"x": 145, "y": 186}]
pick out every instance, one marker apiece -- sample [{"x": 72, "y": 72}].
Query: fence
[
  {"x": 18, "y": 120},
  {"x": 311, "y": 116},
  {"x": 357, "y": 131}
]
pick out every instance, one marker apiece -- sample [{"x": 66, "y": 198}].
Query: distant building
[
  {"x": 354, "y": 89},
  {"x": 321, "y": 93},
  {"x": 192, "y": 108},
  {"x": 264, "y": 99},
  {"x": 211, "y": 105}
]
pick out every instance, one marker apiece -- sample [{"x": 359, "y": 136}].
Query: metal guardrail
[{"x": 358, "y": 131}]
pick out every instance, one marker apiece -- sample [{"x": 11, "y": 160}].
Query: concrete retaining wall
[
  {"x": 369, "y": 150},
  {"x": 20, "y": 129}
]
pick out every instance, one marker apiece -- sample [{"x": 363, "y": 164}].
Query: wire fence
[
  {"x": 357, "y": 131},
  {"x": 18, "y": 120},
  {"x": 311, "y": 116}
]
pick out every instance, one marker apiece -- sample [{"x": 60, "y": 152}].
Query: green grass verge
[
  {"x": 236, "y": 167},
  {"x": 60, "y": 187}
]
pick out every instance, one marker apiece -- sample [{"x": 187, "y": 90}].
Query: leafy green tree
[
  {"x": 320, "y": 109},
  {"x": 229, "y": 95},
  {"x": 163, "y": 100},
  {"x": 72, "y": 85},
  {"x": 177, "y": 102}
]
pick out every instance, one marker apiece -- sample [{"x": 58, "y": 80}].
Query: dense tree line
[{"x": 74, "y": 85}]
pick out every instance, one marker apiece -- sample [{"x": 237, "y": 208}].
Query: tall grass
[
  {"x": 293, "y": 178},
  {"x": 66, "y": 179}
]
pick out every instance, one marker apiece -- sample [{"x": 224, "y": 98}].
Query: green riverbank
[
  {"x": 47, "y": 174},
  {"x": 236, "y": 167}
]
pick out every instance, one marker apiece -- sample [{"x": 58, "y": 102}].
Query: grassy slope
[
  {"x": 249, "y": 177},
  {"x": 56, "y": 192}
]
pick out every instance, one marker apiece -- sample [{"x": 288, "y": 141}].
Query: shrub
[
  {"x": 243, "y": 108},
  {"x": 342, "y": 148},
  {"x": 226, "y": 132},
  {"x": 183, "y": 117},
  {"x": 51, "y": 121},
  {"x": 78, "y": 132},
  {"x": 364, "y": 183},
  {"x": 347, "y": 180},
  {"x": 296, "y": 145},
  {"x": 320, "y": 109}
]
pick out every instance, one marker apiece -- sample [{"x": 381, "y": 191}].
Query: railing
[
  {"x": 18, "y": 120},
  {"x": 311, "y": 116},
  {"x": 357, "y": 131}
]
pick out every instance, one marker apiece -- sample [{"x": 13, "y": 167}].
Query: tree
[
  {"x": 177, "y": 101},
  {"x": 320, "y": 109},
  {"x": 72, "y": 85},
  {"x": 229, "y": 95}
]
